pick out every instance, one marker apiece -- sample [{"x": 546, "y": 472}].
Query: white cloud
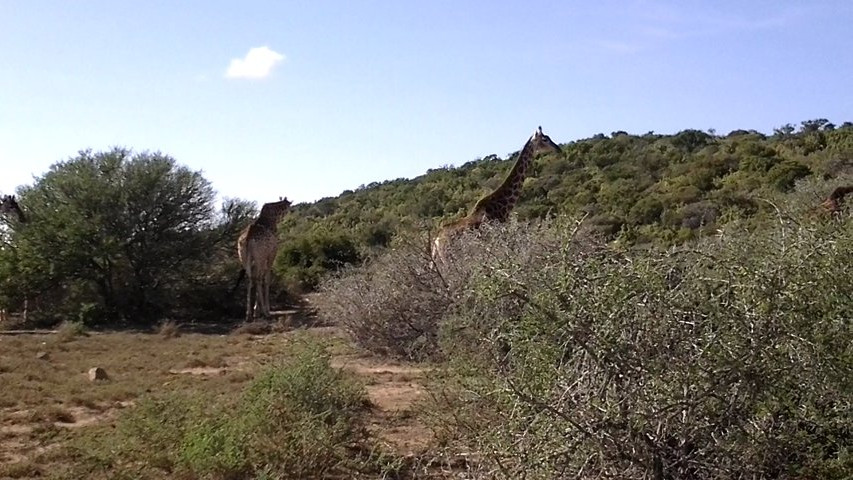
[{"x": 258, "y": 63}]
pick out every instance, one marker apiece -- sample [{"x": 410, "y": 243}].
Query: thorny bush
[{"x": 730, "y": 358}]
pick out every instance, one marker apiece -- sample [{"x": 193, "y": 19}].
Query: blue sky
[{"x": 307, "y": 99}]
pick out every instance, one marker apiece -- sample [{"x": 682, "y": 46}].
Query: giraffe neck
[
  {"x": 500, "y": 203},
  {"x": 270, "y": 222}
]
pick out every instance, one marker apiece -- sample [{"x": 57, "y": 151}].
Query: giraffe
[
  {"x": 9, "y": 205},
  {"x": 256, "y": 248},
  {"x": 835, "y": 200},
  {"x": 498, "y": 204}
]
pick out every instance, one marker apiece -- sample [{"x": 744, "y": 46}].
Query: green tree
[
  {"x": 302, "y": 260},
  {"x": 120, "y": 235},
  {"x": 785, "y": 174}
]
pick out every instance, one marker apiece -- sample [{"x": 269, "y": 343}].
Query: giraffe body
[
  {"x": 497, "y": 205},
  {"x": 257, "y": 247}
]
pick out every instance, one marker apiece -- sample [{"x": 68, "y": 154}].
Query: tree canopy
[{"x": 119, "y": 235}]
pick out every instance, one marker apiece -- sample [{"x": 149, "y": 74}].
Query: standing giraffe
[
  {"x": 256, "y": 248},
  {"x": 9, "y": 205},
  {"x": 498, "y": 204}
]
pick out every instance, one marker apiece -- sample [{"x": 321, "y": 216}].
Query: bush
[
  {"x": 299, "y": 419},
  {"x": 392, "y": 305},
  {"x": 728, "y": 358},
  {"x": 302, "y": 261},
  {"x": 397, "y": 303},
  {"x": 784, "y": 175}
]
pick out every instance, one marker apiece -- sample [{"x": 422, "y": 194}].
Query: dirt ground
[{"x": 46, "y": 394}]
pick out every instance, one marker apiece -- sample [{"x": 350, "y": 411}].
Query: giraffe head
[
  {"x": 275, "y": 210},
  {"x": 542, "y": 144}
]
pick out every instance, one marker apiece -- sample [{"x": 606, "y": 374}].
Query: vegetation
[
  {"x": 297, "y": 419},
  {"x": 123, "y": 236},
  {"x": 117, "y": 236},
  {"x": 564, "y": 356},
  {"x": 661, "y": 306},
  {"x": 640, "y": 189},
  {"x": 192, "y": 406}
]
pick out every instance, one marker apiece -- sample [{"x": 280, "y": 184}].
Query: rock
[
  {"x": 97, "y": 373},
  {"x": 42, "y": 355}
]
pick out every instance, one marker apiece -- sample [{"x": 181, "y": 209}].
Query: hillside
[{"x": 664, "y": 189}]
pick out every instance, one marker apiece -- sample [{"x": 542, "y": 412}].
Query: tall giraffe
[
  {"x": 9, "y": 205},
  {"x": 256, "y": 248},
  {"x": 498, "y": 204}
]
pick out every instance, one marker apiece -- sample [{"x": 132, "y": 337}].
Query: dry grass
[
  {"x": 169, "y": 329},
  {"x": 253, "y": 328},
  {"x": 38, "y": 393},
  {"x": 48, "y": 403},
  {"x": 69, "y": 331}
]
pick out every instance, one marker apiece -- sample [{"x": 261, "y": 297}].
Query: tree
[
  {"x": 302, "y": 260},
  {"x": 815, "y": 125},
  {"x": 120, "y": 235},
  {"x": 784, "y": 130},
  {"x": 783, "y": 175}
]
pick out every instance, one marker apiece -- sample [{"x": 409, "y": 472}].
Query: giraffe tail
[{"x": 240, "y": 278}]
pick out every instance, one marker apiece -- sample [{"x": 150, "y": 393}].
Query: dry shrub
[
  {"x": 729, "y": 358},
  {"x": 397, "y": 304},
  {"x": 169, "y": 329},
  {"x": 392, "y": 305},
  {"x": 68, "y": 331}
]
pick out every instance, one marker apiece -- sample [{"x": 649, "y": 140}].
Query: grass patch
[
  {"x": 299, "y": 418},
  {"x": 24, "y": 469},
  {"x": 209, "y": 361},
  {"x": 253, "y": 328},
  {"x": 68, "y": 331},
  {"x": 169, "y": 329},
  {"x": 50, "y": 414}
]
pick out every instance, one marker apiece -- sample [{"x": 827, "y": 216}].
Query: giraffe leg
[
  {"x": 265, "y": 294},
  {"x": 259, "y": 297},
  {"x": 250, "y": 295}
]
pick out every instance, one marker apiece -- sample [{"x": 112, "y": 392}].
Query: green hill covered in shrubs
[{"x": 649, "y": 188}]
